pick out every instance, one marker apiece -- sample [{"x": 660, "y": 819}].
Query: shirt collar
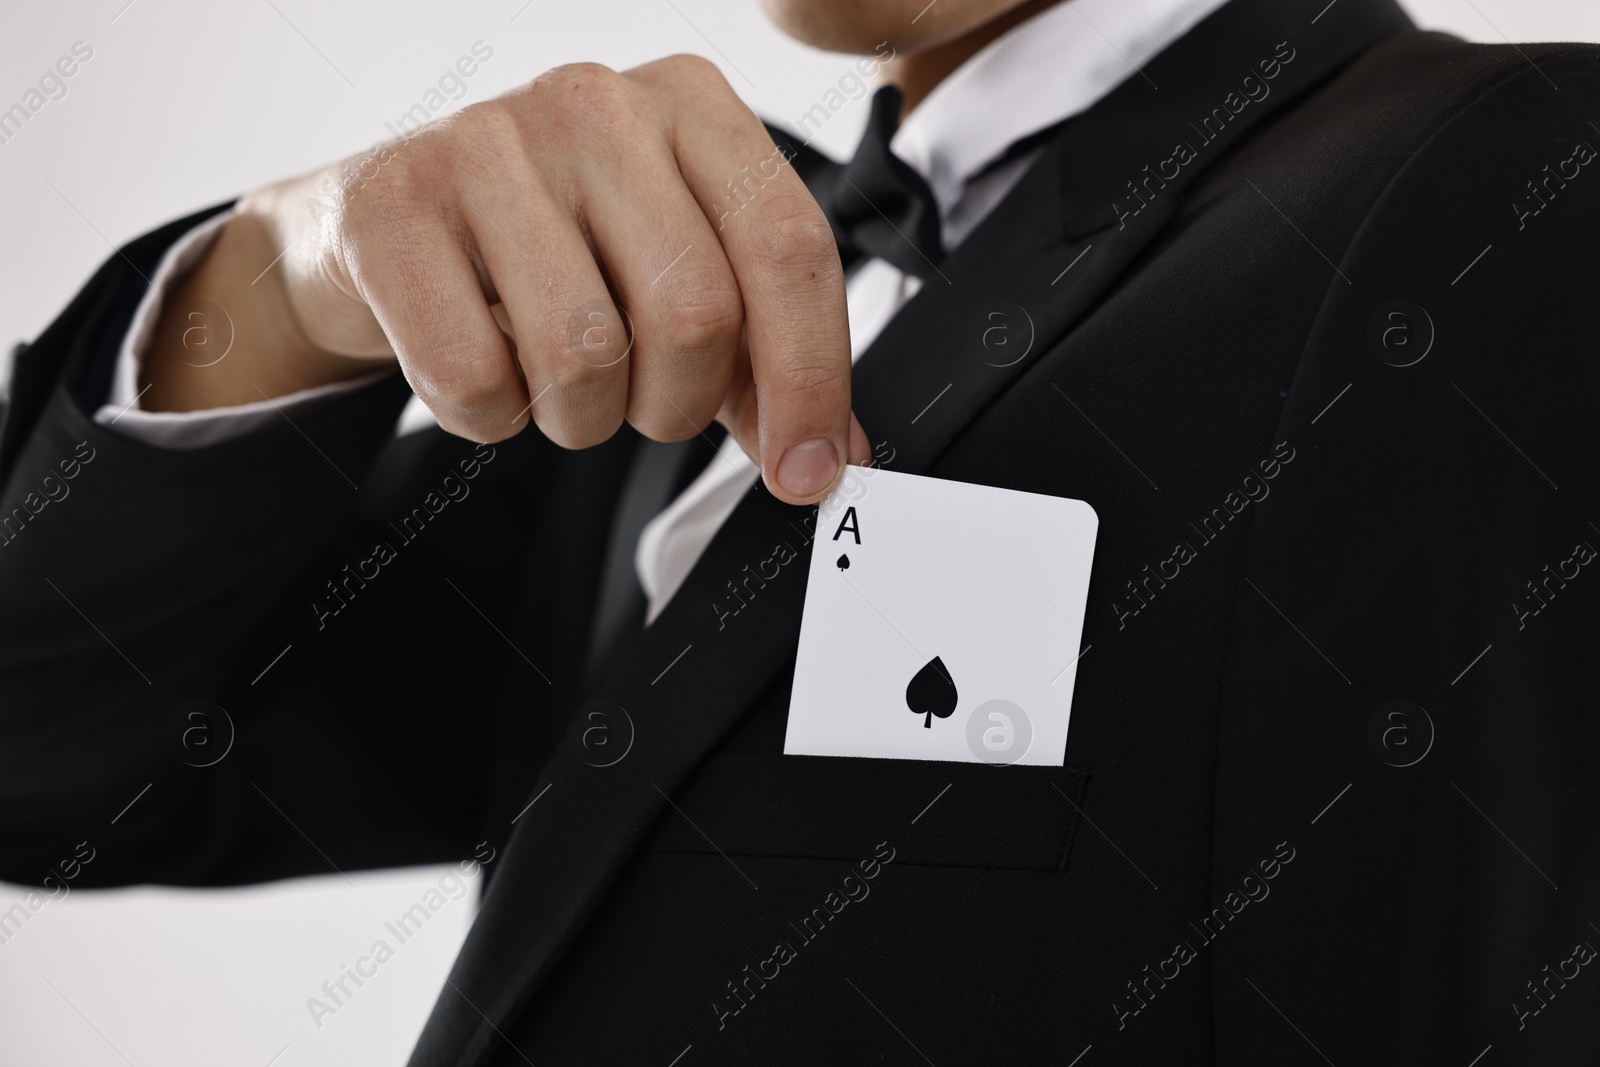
[{"x": 1050, "y": 67}]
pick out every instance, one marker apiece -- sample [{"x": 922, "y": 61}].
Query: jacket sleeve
[{"x": 136, "y": 581}]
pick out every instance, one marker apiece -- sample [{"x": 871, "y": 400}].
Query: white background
[{"x": 185, "y": 104}]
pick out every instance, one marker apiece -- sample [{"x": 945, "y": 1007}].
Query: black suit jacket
[{"x": 1325, "y": 376}]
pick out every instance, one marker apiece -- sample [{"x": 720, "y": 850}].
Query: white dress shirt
[{"x": 1046, "y": 69}]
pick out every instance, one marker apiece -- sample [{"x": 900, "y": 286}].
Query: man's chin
[{"x": 860, "y": 26}]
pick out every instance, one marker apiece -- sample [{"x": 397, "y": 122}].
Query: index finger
[{"x": 787, "y": 267}]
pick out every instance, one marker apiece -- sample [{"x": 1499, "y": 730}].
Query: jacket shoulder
[
  {"x": 1423, "y": 78},
  {"x": 1420, "y": 56},
  {"x": 1344, "y": 149}
]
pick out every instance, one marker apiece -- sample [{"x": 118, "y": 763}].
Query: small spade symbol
[
  {"x": 931, "y": 692},
  {"x": 843, "y": 562}
]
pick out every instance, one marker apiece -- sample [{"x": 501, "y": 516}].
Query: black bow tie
[{"x": 878, "y": 205}]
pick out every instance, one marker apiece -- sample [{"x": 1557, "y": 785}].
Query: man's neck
[{"x": 917, "y": 73}]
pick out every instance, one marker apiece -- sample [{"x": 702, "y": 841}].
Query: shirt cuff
[{"x": 192, "y": 429}]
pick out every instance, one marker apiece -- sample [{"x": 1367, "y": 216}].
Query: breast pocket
[{"x": 836, "y": 807}]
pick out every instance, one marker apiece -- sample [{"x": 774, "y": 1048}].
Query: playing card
[{"x": 942, "y": 621}]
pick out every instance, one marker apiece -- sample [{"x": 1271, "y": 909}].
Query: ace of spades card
[{"x": 942, "y": 621}]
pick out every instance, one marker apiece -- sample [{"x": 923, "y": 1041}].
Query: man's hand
[{"x": 573, "y": 253}]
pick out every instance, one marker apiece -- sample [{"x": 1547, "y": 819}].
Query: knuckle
[
  {"x": 467, "y": 382},
  {"x": 583, "y": 401},
  {"x": 681, "y": 70},
  {"x": 482, "y": 132},
  {"x": 378, "y": 218},
  {"x": 793, "y": 236},
  {"x": 389, "y": 205},
  {"x": 693, "y": 68},
  {"x": 579, "y": 72},
  {"x": 582, "y": 383},
  {"x": 661, "y": 423},
  {"x": 578, "y": 425},
  {"x": 705, "y": 316},
  {"x": 661, "y": 419},
  {"x": 585, "y": 87},
  {"x": 416, "y": 159},
  {"x": 595, "y": 337},
  {"x": 485, "y": 432}
]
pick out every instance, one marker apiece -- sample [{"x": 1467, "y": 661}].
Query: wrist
[{"x": 227, "y": 334}]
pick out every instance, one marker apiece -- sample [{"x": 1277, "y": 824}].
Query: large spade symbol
[{"x": 931, "y": 692}]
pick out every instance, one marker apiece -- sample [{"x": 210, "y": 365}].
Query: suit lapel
[{"x": 689, "y": 677}]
